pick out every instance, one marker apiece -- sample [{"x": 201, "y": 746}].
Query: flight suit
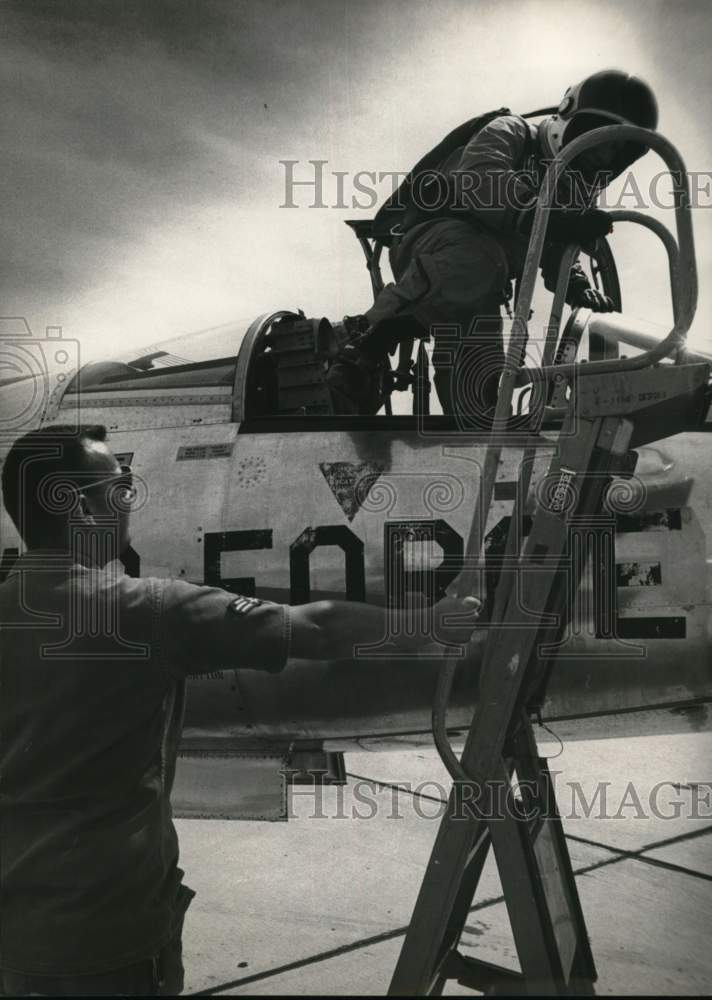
[
  {"x": 455, "y": 261},
  {"x": 452, "y": 275}
]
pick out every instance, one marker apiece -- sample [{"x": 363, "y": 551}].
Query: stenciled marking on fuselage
[
  {"x": 399, "y": 537},
  {"x": 608, "y": 622},
  {"x": 350, "y": 482},
  {"x": 431, "y": 581},
  {"x": 188, "y": 452}
]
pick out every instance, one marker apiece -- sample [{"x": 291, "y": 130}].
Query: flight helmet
[{"x": 605, "y": 98}]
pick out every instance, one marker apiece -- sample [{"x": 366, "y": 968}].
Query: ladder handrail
[
  {"x": 517, "y": 344},
  {"x": 568, "y": 258},
  {"x": 668, "y": 241},
  {"x": 553, "y": 330},
  {"x": 687, "y": 274}
]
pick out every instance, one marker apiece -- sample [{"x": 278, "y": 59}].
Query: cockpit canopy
[{"x": 206, "y": 358}]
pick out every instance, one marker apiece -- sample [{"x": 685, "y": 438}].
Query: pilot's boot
[
  {"x": 359, "y": 373},
  {"x": 333, "y": 337},
  {"x": 356, "y": 381},
  {"x": 355, "y": 378}
]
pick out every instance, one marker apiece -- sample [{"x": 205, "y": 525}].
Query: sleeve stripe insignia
[{"x": 242, "y": 605}]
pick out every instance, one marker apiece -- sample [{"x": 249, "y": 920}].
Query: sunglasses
[{"x": 121, "y": 490}]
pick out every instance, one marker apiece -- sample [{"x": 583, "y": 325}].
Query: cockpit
[{"x": 270, "y": 374}]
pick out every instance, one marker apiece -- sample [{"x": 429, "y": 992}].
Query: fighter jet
[{"x": 253, "y": 483}]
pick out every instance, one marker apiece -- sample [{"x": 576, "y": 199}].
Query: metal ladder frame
[{"x": 598, "y": 432}]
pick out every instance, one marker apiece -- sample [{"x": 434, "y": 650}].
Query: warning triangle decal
[{"x": 350, "y": 482}]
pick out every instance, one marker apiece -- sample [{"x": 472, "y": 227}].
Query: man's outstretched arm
[
  {"x": 207, "y": 628},
  {"x": 329, "y": 630}
]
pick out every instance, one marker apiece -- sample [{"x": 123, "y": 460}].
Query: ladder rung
[{"x": 482, "y": 976}]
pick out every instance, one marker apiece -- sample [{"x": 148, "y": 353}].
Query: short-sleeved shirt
[{"x": 92, "y": 668}]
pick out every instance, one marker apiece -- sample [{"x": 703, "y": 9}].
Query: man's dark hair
[{"x": 57, "y": 450}]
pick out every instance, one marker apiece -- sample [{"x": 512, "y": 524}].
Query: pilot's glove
[
  {"x": 564, "y": 226},
  {"x": 583, "y": 228},
  {"x": 591, "y": 298}
]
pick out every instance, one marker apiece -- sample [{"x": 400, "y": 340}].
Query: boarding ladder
[{"x": 502, "y": 795}]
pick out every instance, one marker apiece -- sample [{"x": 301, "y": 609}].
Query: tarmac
[{"x": 319, "y": 905}]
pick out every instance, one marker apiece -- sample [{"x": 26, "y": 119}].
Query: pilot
[
  {"x": 458, "y": 230},
  {"x": 92, "y": 669}
]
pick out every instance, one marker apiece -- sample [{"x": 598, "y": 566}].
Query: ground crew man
[
  {"x": 458, "y": 229},
  {"x": 92, "y": 668}
]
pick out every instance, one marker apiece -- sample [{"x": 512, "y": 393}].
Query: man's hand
[
  {"x": 452, "y": 619},
  {"x": 583, "y": 228},
  {"x": 462, "y": 612},
  {"x": 566, "y": 226},
  {"x": 591, "y": 298}
]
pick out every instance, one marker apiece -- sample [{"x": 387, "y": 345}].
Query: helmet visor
[
  {"x": 612, "y": 157},
  {"x": 587, "y": 121}
]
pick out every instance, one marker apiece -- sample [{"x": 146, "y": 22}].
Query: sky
[{"x": 142, "y": 171}]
